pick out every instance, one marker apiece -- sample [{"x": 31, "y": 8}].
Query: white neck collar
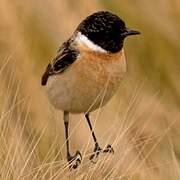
[{"x": 80, "y": 38}]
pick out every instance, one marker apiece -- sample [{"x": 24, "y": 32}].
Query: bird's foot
[
  {"x": 108, "y": 149},
  {"x": 74, "y": 161},
  {"x": 97, "y": 150}
]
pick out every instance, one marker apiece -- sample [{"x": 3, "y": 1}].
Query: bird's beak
[{"x": 130, "y": 32}]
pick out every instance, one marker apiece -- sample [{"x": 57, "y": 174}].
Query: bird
[{"x": 87, "y": 71}]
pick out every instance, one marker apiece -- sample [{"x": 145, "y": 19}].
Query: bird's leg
[
  {"x": 97, "y": 148},
  {"x": 75, "y": 160}
]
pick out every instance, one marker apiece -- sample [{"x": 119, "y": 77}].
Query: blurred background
[{"x": 142, "y": 121}]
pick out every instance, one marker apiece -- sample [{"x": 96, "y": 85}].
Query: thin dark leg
[
  {"x": 90, "y": 126},
  {"x": 76, "y": 159},
  {"x": 66, "y": 123},
  {"x": 97, "y": 148}
]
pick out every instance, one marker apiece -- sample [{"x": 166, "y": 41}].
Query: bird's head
[{"x": 105, "y": 30}]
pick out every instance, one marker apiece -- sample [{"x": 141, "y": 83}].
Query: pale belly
[{"x": 86, "y": 85}]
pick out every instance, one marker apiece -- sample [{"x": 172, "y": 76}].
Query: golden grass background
[{"x": 142, "y": 121}]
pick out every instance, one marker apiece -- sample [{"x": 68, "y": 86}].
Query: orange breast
[{"x": 90, "y": 81}]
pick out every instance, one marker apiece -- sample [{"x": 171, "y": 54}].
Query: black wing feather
[{"x": 65, "y": 57}]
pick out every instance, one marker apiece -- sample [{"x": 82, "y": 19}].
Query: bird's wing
[{"x": 65, "y": 57}]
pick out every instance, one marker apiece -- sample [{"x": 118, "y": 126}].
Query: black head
[{"x": 106, "y": 30}]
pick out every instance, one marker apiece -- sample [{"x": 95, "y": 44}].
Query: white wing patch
[{"x": 80, "y": 38}]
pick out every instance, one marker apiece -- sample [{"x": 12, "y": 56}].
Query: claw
[
  {"x": 95, "y": 154},
  {"x": 97, "y": 150},
  {"x": 109, "y": 149},
  {"x": 75, "y": 160}
]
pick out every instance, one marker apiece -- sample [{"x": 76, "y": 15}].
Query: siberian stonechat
[{"x": 91, "y": 61}]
